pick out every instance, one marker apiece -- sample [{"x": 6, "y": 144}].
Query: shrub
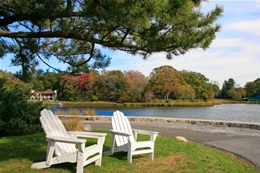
[
  {"x": 168, "y": 101},
  {"x": 88, "y": 112},
  {"x": 94, "y": 98},
  {"x": 85, "y": 112},
  {"x": 74, "y": 124},
  {"x": 194, "y": 100},
  {"x": 17, "y": 115},
  {"x": 154, "y": 100},
  {"x": 68, "y": 112}
]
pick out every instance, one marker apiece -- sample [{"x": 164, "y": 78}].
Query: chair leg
[
  {"x": 129, "y": 156},
  {"x": 79, "y": 167},
  {"x": 98, "y": 161},
  {"x": 151, "y": 156},
  {"x": 80, "y": 161}
]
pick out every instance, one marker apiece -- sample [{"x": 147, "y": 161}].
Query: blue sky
[{"x": 235, "y": 53}]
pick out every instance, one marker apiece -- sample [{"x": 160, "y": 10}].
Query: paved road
[{"x": 243, "y": 142}]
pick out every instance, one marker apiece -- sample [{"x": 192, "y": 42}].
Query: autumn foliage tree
[
  {"x": 135, "y": 84},
  {"x": 136, "y": 79},
  {"x": 85, "y": 86},
  {"x": 76, "y": 88},
  {"x": 68, "y": 88},
  {"x": 163, "y": 80}
]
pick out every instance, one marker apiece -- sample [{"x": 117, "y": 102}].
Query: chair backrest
[
  {"x": 121, "y": 123},
  {"x": 53, "y": 126}
]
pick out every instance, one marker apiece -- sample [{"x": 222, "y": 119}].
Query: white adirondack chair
[
  {"x": 63, "y": 143},
  {"x": 125, "y": 138}
]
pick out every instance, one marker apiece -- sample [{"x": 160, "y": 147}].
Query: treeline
[
  {"x": 128, "y": 86},
  {"x": 250, "y": 90},
  {"x": 132, "y": 86}
]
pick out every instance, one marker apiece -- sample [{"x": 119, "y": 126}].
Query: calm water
[{"x": 230, "y": 112}]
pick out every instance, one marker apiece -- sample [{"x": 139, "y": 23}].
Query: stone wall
[{"x": 249, "y": 125}]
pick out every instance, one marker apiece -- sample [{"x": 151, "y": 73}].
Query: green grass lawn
[{"x": 17, "y": 153}]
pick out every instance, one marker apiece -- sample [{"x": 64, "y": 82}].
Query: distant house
[{"x": 44, "y": 95}]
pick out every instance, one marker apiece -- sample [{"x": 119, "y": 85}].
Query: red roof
[{"x": 48, "y": 91}]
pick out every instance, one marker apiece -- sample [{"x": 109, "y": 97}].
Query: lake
[{"x": 229, "y": 112}]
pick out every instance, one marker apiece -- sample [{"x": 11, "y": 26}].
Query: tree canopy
[
  {"x": 227, "y": 86},
  {"x": 163, "y": 80},
  {"x": 253, "y": 88},
  {"x": 75, "y": 30}
]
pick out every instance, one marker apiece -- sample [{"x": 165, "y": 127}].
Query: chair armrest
[
  {"x": 120, "y": 133},
  {"x": 86, "y": 134},
  {"x": 65, "y": 140},
  {"x": 152, "y": 134},
  {"x": 144, "y": 132}
]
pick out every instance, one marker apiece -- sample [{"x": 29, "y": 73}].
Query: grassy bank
[
  {"x": 226, "y": 101},
  {"x": 19, "y": 152},
  {"x": 156, "y": 103}
]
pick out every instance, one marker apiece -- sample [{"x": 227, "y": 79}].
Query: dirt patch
[{"x": 163, "y": 164}]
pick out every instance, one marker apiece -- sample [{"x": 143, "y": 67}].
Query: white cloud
[
  {"x": 235, "y": 58},
  {"x": 258, "y": 3},
  {"x": 250, "y": 26},
  {"x": 226, "y": 42}
]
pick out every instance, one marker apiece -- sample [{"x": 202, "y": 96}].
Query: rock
[
  {"x": 180, "y": 138},
  {"x": 87, "y": 128}
]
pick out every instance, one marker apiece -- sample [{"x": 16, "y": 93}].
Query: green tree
[
  {"x": 51, "y": 80},
  {"x": 121, "y": 82},
  {"x": 227, "y": 86},
  {"x": 241, "y": 91},
  {"x": 257, "y": 82},
  {"x": 234, "y": 95},
  {"x": 24, "y": 56},
  {"x": 253, "y": 88},
  {"x": 163, "y": 80},
  {"x": 106, "y": 88},
  {"x": 9, "y": 79},
  {"x": 199, "y": 83},
  {"x": 72, "y": 30},
  {"x": 79, "y": 66},
  {"x": 37, "y": 80},
  {"x": 250, "y": 89},
  {"x": 216, "y": 90},
  {"x": 185, "y": 92}
]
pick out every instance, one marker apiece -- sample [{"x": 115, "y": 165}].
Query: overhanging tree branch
[{"x": 70, "y": 29}]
